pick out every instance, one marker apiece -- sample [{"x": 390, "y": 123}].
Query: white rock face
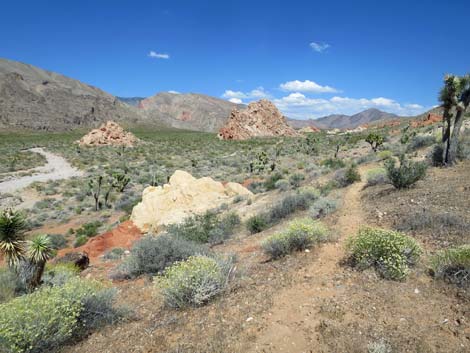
[{"x": 184, "y": 196}]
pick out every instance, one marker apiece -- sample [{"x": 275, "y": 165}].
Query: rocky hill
[
  {"x": 132, "y": 101},
  {"x": 187, "y": 111},
  {"x": 33, "y": 98},
  {"x": 342, "y": 121},
  {"x": 259, "y": 119}
]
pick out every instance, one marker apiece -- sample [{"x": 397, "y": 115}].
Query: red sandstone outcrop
[
  {"x": 107, "y": 134},
  {"x": 428, "y": 120},
  {"x": 259, "y": 119}
]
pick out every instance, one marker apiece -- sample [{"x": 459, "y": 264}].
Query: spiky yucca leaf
[
  {"x": 40, "y": 248},
  {"x": 12, "y": 227}
]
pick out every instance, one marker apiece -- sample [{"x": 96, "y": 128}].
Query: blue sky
[{"x": 311, "y": 58}]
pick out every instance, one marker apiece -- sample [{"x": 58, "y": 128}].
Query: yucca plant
[
  {"x": 39, "y": 251},
  {"x": 12, "y": 228}
]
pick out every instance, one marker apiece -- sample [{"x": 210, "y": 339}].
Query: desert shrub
[
  {"x": 322, "y": 207},
  {"x": 420, "y": 141},
  {"x": 463, "y": 149},
  {"x": 346, "y": 176},
  {"x": 153, "y": 253},
  {"x": 49, "y": 317},
  {"x": 80, "y": 240},
  {"x": 437, "y": 156},
  {"x": 59, "y": 274},
  {"x": 282, "y": 185},
  {"x": 89, "y": 229},
  {"x": 58, "y": 241},
  {"x": 270, "y": 183},
  {"x": 386, "y": 154},
  {"x": 333, "y": 163},
  {"x": 114, "y": 254},
  {"x": 194, "y": 282},
  {"x": 8, "y": 284},
  {"x": 296, "y": 179},
  {"x": 206, "y": 228},
  {"x": 257, "y": 223},
  {"x": 406, "y": 174},
  {"x": 376, "y": 176},
  {"x": 301, "y": 234},
  {"x": 256, "y": 187},
  {"x": 390, "y": 253},
  {"x": 453, "y": 265}
]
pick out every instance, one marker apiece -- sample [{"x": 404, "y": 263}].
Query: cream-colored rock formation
[
  {"x": 110, "y": 133},
  {"x": 183, "y": 196}
]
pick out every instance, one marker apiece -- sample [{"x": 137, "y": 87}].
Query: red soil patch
[
  {"x": 123, "y": 236},
  {"x": 249, "y": 181}
]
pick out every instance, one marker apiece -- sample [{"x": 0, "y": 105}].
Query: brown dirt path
[{"x": 291, "y": 325}]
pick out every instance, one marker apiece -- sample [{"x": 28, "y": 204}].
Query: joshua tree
[
  {"x": 95, "y": 190},
  {"x": 120, "y": 181},
  {"x": 375, "y": 140},
  {"x": 455, "y": 98},
  {"x": 39, "y": 251},
  {"x": 12, "y": 244}
]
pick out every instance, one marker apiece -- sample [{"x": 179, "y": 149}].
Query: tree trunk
[
  {"x": 446, "y": 128},
  {"x": 454, "y": 138}
]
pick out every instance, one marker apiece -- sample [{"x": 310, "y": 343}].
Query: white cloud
[
  {"x": 174, "y": 92},
  {"x": 319, "y": 47},
  {"x": 257, "y": 93},
  {"x": 235, "y": 100},
  {"x": 297, "y": 105},
  {"x": 156, "y": 55},
  {"x": 306, "y": 86}
]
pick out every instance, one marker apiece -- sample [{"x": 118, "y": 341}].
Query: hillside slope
[
  {"x": 188, "y": 111},
  {"x": 33, "y": 98}
]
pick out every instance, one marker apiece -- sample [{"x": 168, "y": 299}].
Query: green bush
[
  {"x": 51, "y": 316},
  {"x": 152, "y": 254},
  {"x": 346, "y": 176},
  {"x": 376, "y": 176},
  {"x": 383, "y": 155},
  {"x": 420, "y": 141},
  {"x": 390, "y": 253},
  {"x": 406, "y": 174},
  {"x": 80, "y": 240},
  {"x": 322, "y": 207},
  {"x": 193, "y": 282},
  {"x": 89, "y": 229},
  {"x": 301, "y": 234},
  {"x": 296, "y": 179},
  {"x": 333, "y": 163},
  {"x": 270, "y": 183},
  {"x": 257, "y": 223},
  {"x": 114, "y": 254},
  {"x": 453, "y": 265},
  {"x": 59, "y": 274},
  {"x": 58, "y": 241},
  {"x": 282, "y": 185},
  {"x": 206, "y": 228}
]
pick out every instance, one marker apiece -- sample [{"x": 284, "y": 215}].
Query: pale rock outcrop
[
  {"x": 259, "y": 119},
  {"x": 309, "y": 129},
  {"x": 110, "y": 133},
  {"x": 183, "y": 196}
]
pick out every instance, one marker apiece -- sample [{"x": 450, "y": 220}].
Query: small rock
[{"x": 249, "y": 319}]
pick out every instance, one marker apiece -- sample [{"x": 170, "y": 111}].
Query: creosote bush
[
  {"x": 206, "y": 228},
  {"x": 51, "y": 316},
  {"x": 346, "y": 176},
  {"x": 390, "y": 253},
  {"x": 406, "y": 174},
  {"x": 300, "y": 235},
  {"x": 322, "y": 207},
  {"x": 194, "y": 282},
  {"x": 453, "y": 265}
]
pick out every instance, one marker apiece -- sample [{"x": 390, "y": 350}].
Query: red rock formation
[
  {"x": 259, "y": 119},
  {"x": 428, "y": 120}
]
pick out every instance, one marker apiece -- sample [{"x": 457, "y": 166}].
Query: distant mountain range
[
  {"x": 33, "y": 98},
  {"x": 341, "y": 121}
]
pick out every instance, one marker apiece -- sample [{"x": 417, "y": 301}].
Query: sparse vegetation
[
  {"x": 453, "y": 265},
  {"x": 322, "y": 207},
  {"x": 300, "y": 235},
  {"x": 376, "y": 176},
  {"x": 390, "y": 253}
]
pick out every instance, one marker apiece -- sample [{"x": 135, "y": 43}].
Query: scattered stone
[
  {"x": 109, "y": 134},
  {"x": 259, "y": 119},
  {"x": 184, "y": 196}
]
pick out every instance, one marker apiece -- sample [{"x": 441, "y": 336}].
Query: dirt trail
[
  {"x": 56, "y": 168},
  {"x": 291, "y": 325}
]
